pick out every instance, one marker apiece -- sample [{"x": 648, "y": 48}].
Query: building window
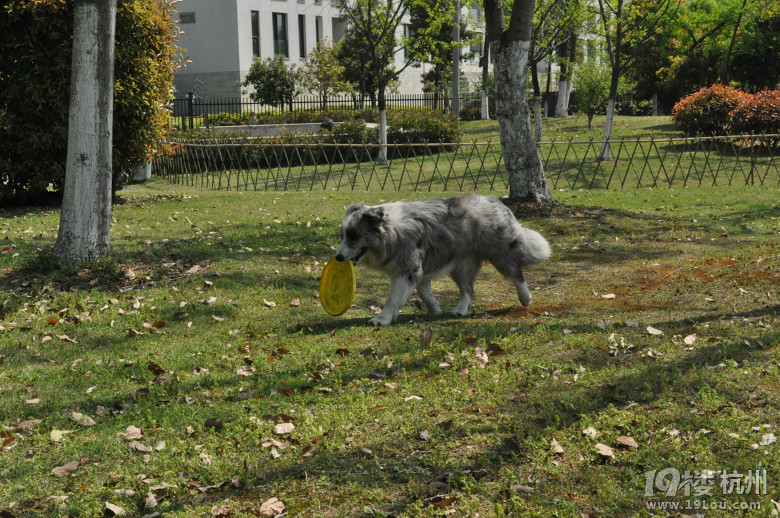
[
  {"x": 476, "y": 50},
  {"x": 256, "y": 34},
  {"x": 302, "y": 36},
  {"x": 318, "y": 28},
  {"x": 280, "y": 35}
]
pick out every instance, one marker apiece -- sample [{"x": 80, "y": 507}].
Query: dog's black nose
[{"x": 340, "y": 258}]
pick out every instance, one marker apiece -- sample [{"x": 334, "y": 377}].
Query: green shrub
[
  {"x": 407, "y": 126},
  {"x": 634, "y": 108},
  {"x": 707, "y": 111},
  {"x": 35, "y": 64}
]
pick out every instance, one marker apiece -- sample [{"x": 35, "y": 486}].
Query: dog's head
[{"x": 359, "y": 231}]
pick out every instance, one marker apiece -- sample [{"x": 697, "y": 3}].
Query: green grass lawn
[
  {"x": 575, "y": 127},
  {"x": 204, "y": 331}
]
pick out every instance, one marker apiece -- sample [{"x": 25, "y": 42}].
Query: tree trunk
[
  {"x": 654, "y": 98},
  {"x": 85, "y": 220},
  {"x": 484, "y": 107},
  {"x": 547, "y": 87},
  {"x": 510, "y": 52},
  {"x": 537, "y": 101},
  {"x": 610, "y": 119},
  {"x": 561, "y": 108},
  {"x": 521, "y": 156},
  {"x": 381, "y": 158},
  {"x": 456, "y": 60}
]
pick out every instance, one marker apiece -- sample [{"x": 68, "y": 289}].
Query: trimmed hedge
[
  {"x": 722, "y": 110},
  {"x": 758, "y": 113},
  {"x": 404, "y": 127},
  {"x": 297, "y": 117}
]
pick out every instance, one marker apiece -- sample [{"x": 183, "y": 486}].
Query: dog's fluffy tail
[{"x": 536, "y": 249}]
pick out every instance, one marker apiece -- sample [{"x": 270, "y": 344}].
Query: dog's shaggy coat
[{"x": 416, "y": 242}]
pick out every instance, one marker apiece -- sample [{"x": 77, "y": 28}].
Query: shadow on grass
[{"x": 526, "y": 421}]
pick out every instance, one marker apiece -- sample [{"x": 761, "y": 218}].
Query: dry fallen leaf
[
  {"x": 295, "y": 302},
  {"x": 426, "y": 336},
  {"x": 205, "y": 457},
  {"x": 114, "y": 510},
  {"x": 690, "y": 339},
  {"x": 83, "y": 420},
  {"x": 284, "y": 428},
  {"x": 246, "y": 370},
  {"x": 481, "y": 355},
  {"x": 269, "y": 303},
  {"x": 58, "y": 435},
  {"x": 272, "y": 507},
  {"x": 132, "y": 432},
  {"x": 628, "y": 442},
  {"x": 6, "y": 440},
  {"x": 608, "y": 296},
  {"x": 590, "y": 432},
  {"x": 653, "y": 331},
  {"x": 66, "y": 469},
  {"x": 605, "y": 451},
  {"x": 556, "y": 448},
  {"x": 137, "y": 446}
]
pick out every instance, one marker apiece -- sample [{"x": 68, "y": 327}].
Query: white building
[{"x": 223, "y": 37}]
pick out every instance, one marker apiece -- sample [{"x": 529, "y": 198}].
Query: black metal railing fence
[{"x": 192, "y": 111}]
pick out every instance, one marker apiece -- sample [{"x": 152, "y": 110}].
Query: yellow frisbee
[{"x": 337, "y": 286}]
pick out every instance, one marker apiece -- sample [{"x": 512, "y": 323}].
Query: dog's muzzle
[{"x": 355, "y": 260}]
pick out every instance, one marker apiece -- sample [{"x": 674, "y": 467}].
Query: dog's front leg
[{"x": 402, "y": 289}]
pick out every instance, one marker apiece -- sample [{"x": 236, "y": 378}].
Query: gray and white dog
[{"x": 416, "y": 242}]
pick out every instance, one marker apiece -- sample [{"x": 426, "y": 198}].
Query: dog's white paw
[
  {"x": 461, "y": 312},
  {"x": 434, "y": 311},
  {"x": 381, "y": 320},
  {"x": 523, "y": 294}
]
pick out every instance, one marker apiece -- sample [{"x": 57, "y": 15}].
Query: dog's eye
[{"x": 352, "y": 235}]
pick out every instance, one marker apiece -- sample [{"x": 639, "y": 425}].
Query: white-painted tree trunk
[
  {"x": 85, "y": 220},
  {"x": 484, "y": 107},
  {"x": 521, "y": 156},
  {"x": 538, "y": 117},
  {"x": 605, "y": 144},
  {"x": 654, "y": 113},
  {"x": 456, "y": 60},
  {"x": 562, "y": 106},
  {"x": 381, "y": 158}
]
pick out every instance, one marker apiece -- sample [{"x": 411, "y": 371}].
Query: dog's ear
[
  {"x": 356, "y": 206},
  {"x": 375, "y": 216}
]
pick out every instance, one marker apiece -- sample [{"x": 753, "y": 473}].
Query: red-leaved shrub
[
  {"x": 707, "y": 111},
  {"x": 758, "y": 113}
]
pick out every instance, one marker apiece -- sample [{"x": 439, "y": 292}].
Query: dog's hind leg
[
  {"x": 402, "y": 288},
  {"x": 426, "y": 294},
  {"x": 464, "y": 274},
  {"x": 508, "y": 267}
]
